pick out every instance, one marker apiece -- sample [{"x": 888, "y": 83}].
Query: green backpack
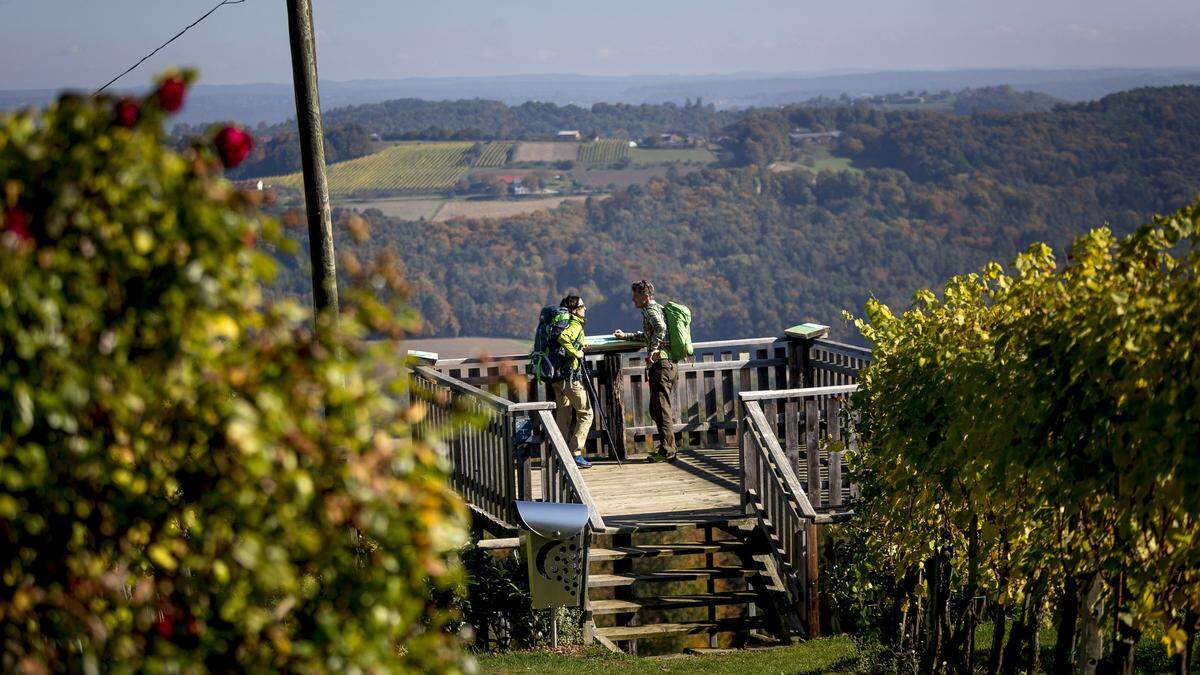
[{"x": 679, "y": 330}]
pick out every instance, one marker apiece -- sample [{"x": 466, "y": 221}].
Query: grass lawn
[
  {"x": 823, "y": 160},
  {"x": 650, "y": 157},
  {"x": 823, "y": 655},
  {"x": 404, "y": 208}
]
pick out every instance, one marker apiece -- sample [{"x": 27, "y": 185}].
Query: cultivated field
[
  {"x": 652, "y": 156},
  {"x": 547, "y": 151},
  {"x": 402, "y": 208},
  {"x": 603, "y": 152},
  {"x": 490, "y": 208},
  {"x": 408, "y": 167},
  {"x": 495, "y": 154}
]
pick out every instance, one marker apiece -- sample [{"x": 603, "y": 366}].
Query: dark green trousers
[{"x": 661, "y": 375}]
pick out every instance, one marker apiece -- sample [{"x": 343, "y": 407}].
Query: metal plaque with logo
[{"x": 554, "y": 541}]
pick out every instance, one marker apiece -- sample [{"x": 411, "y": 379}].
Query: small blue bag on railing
[{"x": 525, "y": 441}]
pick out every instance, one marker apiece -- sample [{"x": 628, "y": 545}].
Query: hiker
[
  {"x": 569, "y": 393},
  {"x": 660, "y": 367}
]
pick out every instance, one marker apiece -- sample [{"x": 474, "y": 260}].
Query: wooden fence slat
[
  {"x": 812, "y": 441},
  {"x": 833, "y": 410},
  {"x": 791, "y": 434}
]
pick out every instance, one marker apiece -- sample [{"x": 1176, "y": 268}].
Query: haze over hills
[{"x": 273, "y": 103}]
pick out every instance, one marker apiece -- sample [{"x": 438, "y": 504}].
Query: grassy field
[
  {"x": 603, "y": 152},
  {"x": 405, "y": 208},
  {"x": 815, "y": 159},
  {"x": 406, "y": 167},
  {"x": 491, "y": 208},
  {"x": 652, "y": 156},
  {"x": 825, "y": 655}
]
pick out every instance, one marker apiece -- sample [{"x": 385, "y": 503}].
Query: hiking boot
[
  {"x": 582, "y": 463},
  {"x": 660, "y": 456}
]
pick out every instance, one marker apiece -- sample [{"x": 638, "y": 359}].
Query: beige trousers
[{"x": 572, "y": 401}]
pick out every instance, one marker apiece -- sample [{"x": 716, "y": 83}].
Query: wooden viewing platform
[
  {"x": 762, "y": 425},
  {"x": 700, "y": 486}
]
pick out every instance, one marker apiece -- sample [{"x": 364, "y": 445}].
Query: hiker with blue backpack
[
  {"x": 557, "y": 358},
  {"x": 666, "y": 332}
]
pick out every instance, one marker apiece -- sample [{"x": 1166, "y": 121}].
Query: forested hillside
[
  {"x": 753, "y": 251},
  {"x": 349, "y": 129}
]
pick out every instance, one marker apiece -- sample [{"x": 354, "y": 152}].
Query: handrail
[
  {"x": 774, "y": 454},
  {"x": 456, "y": 384},
  {"x": 844, "y": 348},
  {"x": 772, "y": 493},
  {"x": 460, "y": 362},
  {"x": 558, "y": 463},
  {"x": 798, "y": 393},
  {"x": 484, "y": 470}
]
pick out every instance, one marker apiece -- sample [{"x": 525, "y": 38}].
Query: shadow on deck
[{"x": 700, "y": 486}]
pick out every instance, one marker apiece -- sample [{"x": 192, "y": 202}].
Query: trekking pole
[{"x": 595, "y": 396}]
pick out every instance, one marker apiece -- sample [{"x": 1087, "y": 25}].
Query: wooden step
[
  {"x": 671, "y": 602},
  {"x": 662, "y": 550},
  {"x": 655, "y": 630},
  {"x": 630, "y": 578}
]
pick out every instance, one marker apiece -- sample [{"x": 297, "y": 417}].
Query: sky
[{"x": 49, "y": 44}]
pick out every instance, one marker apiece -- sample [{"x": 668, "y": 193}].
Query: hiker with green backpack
[
  {"x": 666, "y": 332},
  {"x": 557, "y": 358}
]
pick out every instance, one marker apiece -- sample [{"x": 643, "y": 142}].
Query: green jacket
[{"x": 571, "y": 340}]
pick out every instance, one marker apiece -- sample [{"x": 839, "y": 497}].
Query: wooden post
[
  {"x": 512, "y": 489},
  {"x": 312, "y": 157},
  {"x": 800, "y": 342},
  {"x": 807, "y": 372},
  {"x": 616, "y": 409},
  {"x": 811, "y": 601}
]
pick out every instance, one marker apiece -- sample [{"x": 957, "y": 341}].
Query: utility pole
[{"x": 312, "y": 155}]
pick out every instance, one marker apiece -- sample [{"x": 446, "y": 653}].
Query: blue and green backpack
[{"x": 549, "y": 361}]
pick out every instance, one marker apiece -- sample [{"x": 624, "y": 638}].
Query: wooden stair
[{"x": 688, "y": 579}]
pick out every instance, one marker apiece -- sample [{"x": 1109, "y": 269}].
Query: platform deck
[{"x": 700, "y": 486}]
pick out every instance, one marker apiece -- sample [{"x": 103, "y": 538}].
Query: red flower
[
  {"x": 165, "y": 627},
  {"x": 17, "y": 222},
  {"x": 249, "y": 238},
  {"x": 128, "y": 113},
  {"x": 171, "y": 94},
  {"x": 233, "y": 145}
]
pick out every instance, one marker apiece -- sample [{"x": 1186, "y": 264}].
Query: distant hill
[
  {"x": 272, "y": 103},
  {"x": 753, "y": 250}
]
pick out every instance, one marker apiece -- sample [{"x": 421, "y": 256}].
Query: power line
[{"x": 177, "y": 36}]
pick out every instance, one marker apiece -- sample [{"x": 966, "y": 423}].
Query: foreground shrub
[{"x": 189, "y": 480}]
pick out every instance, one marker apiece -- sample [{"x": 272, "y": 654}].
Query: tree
[{"x": 189, "y": 481}]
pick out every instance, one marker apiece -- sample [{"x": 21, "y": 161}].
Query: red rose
[
  {"x": 17, "y": 222},
  {"x": 128, "y": 113},
  {"x": 171, "y": 94},
  {"x": 233, "y": 145}
]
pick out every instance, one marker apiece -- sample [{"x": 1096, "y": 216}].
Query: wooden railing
[
  {"x": 787, "y": 488},
  {"x": 809, "y": 426},
  {"x": 835, "y": 363},
  {"x": 485, "y": 470},
  {"x": 561, "y": 480},
  {"x": 706, "y": 391}
]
